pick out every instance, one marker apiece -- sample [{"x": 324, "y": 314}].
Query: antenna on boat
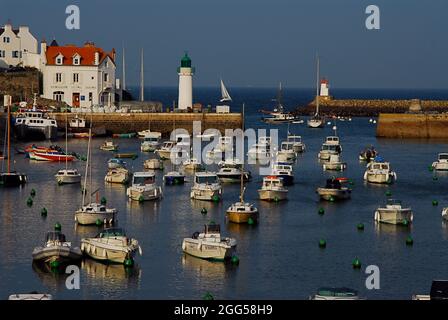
[{"x": 242, "y": 155}]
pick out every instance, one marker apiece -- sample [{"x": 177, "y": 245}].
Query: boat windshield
[
  {"x": 330, "y": 147},
  {"x": 112, "y": 232},
  {"x": 393, "y": 202},
  {"x": 144, "y": 180},
  {"x": 443, "y": 156},
  {"x": 207, "y": 179},
  {"x": 151, "y": 139},
  {"x": 55, "y": 236},
  {"x": 337, "y": 292},
  {"x": 287, "y": 146},
  {"x": 294, "y": 139},
  {"x": 212, "y": 228},
  {"x": 380, "y": 166}
]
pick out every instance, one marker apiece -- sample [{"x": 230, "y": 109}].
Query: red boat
[{"x": 51, "y": 156}]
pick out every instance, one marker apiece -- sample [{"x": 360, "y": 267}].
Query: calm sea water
[{"x": 279, "y": 258}]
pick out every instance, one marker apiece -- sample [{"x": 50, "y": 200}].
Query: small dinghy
[
  {"x": 333, "y": 191},
  {"x": 442, "y": 162},
  {"x": 111, "y": 245},
  {"x": 209, "y": 244},
  {"x": 334, "y": 163},
  {"x": 56, "y": 250},
  {"x": 394, "y": 213}
]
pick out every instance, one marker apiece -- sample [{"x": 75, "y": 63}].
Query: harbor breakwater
[
  {"x": 115, "y": 123},
  {"x": 370, "y": 108},
  {"x": 428, "y": 126}
]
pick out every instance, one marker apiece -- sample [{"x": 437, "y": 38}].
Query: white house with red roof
[
  {"x": 80, "y": 76},
  {"x": 18, "y": 47}
]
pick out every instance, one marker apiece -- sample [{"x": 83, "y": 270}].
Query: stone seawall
[
  {"x": 369, "y": 108},
  {"x": 161, "y": 122},
  {"x": 427, "y": 126},
  {"x": 20, "y": 85}
]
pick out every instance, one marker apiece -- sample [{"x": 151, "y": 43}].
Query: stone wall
[
  {"x": 428, "y": 126},
  {"x": 161, "y": 122},
  {"x": 20, "y": 85}
]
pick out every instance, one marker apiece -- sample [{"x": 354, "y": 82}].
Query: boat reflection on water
[
  {"x": 52, "y": 278},
  {"x": 392, "y": 229},
  {"x": 209, "y": 272},
  {"x": 116, "y": 274},
  {"x": 87, "y": 231},
  {"x": 198, "y": 205}
]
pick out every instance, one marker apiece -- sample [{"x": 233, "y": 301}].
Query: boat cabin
[
  {"x": 333, "y": 184},
  {"x": 282, "y": 167},
  {"x": 151, "y": 138},
  {"x": 272, "y": 182},
  {"x": 168, "y": 145},
  {"x": 143, "y": 178},
  {"x": 294, "y": 139},
  {"x": 443, "y": 157},
  {"x": 111, "y": 232},
  {"x": 331, "y": 147},
  {"x": 206, "y": 178},
  {"x": 332, "y": 140},
  {"x": 77, "y": 123},
  {"x": 183, "y": 139},
  {"x": 230, "y": 163},
  {"x": 379, "y": 166},
  {"x": 264, "y": 140},
  {"x": 94, "y": 208},
  {"x": 69, "y": 172}
]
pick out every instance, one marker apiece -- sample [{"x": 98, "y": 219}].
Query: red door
[{"x": 75, "y": 100}]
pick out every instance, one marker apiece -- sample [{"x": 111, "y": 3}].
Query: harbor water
[{"x": 280, "y": 257}]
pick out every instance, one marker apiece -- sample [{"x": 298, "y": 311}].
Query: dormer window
[
  {"x": 60, "y": 59},
  {"x": 76, "y": 60}
]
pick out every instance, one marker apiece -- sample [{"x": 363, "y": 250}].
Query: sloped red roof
[{"x": 87, "y": 54}]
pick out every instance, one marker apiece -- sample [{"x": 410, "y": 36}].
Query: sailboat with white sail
[
  {"x": 225, "y": 97},
  {"x": 67, "y": 176},
  {"x": 317, "y": 121}
]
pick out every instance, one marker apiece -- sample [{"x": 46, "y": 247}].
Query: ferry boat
[
  {"x": 209, "y": 244},
  {"x": 111, "y": 245},
  {"x": 35, "y": 125},
  {"x": 206, "y": 187},
  {"x": 56, "y": 249},
  {"x": 394, "y": 213},
  {"x": 144, "y": 187},
  {"x": 380, "y": 172},
  {"x": 273, "y": 189}
]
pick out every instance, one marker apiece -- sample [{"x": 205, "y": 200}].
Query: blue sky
[{"x": 258, "y": 42}]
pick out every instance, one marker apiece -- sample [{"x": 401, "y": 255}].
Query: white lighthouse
[
  {"x": 185, "y": 72},
  {"x": 324, "y": 88}
]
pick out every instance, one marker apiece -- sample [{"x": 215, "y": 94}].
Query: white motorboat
[
  {"x": 148, "y": 132},
  {"x": 209, "y": 244},
  {"x": 335, "y": 294},
  {"x": 297, "y": 143},
  {"x": 379, "y": 171},
  {"x": 56, "y": 250},
  {"x": 118, "y": 175},
  {"x": 192, "y": 165},
  {"x": 34, "y": 296},
  {"x": 68, "y": 176},
  {"x": 95, "y": 213},
  {"x": 284, "y": 171},
  {"x": 165, "y": 150},
  {"x": 327, "y": 150},
  {"x": 394, "y": 213},
  {"x": 273, "y": 189},
  {"x": 334, "y": 190},
  {"x": 334, "y": 163},
  {"x": 144, "y": 187},
  {"x": 206, "y": 187},
  {"x": 230, "y": 171},
  {"x": 115, "y": 163},
  {"x": 153, "y": 164},
  {"x": 109, "y": 146},
  {"x": 286, "y": 152},
  {"x": 111, "y": 245},
  {"x": 261, "y": 150},
  {"x": 151, "y": 141},
  {"x": 442, "y": 162},
  {"x": 445, "y": 213}
]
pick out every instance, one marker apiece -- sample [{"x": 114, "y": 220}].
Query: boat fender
[
  {"x": 140, "y": 251},
  {"x": 377, "y": 216},
  {"x": 183, "y": 246}
]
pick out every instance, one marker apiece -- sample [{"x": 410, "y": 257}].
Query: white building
[
  {"x": 185, "y": 72},
  {"x": 17, "y": 47},
  {"x": 80, "y": 76}
]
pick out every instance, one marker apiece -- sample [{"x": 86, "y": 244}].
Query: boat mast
[
  {"x": 66, "y": 141},
  {"x": 9, "y": 136},
  {"x": 242, "y": 155},
  {"x": 279, "y": 98},
  {"x": 87, "y": 168},
  {"x": 142, "y": 79},
  {"x": 124, "y": 70},
  {"x": 317, "y": 86}
]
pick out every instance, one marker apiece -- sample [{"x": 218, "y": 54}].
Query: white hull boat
[
  {"x": 445, "y": 213},
  {"x": 68, "y": 176},
  {"x": 333, "y": 191},
  {"x": 206, "y": 187},
  {"x": 442, "y": 162},
  {"x": 95, "y": 213},
  {"x": 144, "y": 187},
  {"x": 272, "y": 189},
  {"x": 56, "y": 249},
  {"x": 379, "y": 172},
  {"x": 119, "y": 175},
  {"x": 394, "y": 213},
  {"x": 335, "y": 164},
  {"x": 153, "y": 164},
  {"x": 209, "y": 245}
]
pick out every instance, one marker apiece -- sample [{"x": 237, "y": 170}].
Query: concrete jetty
[
  {"x": 161, "y": 122},
  {"x": 421, "y": 125}
]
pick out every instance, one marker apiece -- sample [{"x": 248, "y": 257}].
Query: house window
[
  {"x": 58, "y": 77},
  {"x": 58, "y": 95},
  {"x": 59, "y": 60},
  {"x": 15, "y": 54},
  {"x": 106, "y": 77},
  {"x": 6, "y": 40},
  {"x": 106, "y": 63},
  {"x": 75, "y": 77},
  {"x": 90, "y": 96},
  {"x": 76, "y": 61},
  {"x": 2, "y": 54}
]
